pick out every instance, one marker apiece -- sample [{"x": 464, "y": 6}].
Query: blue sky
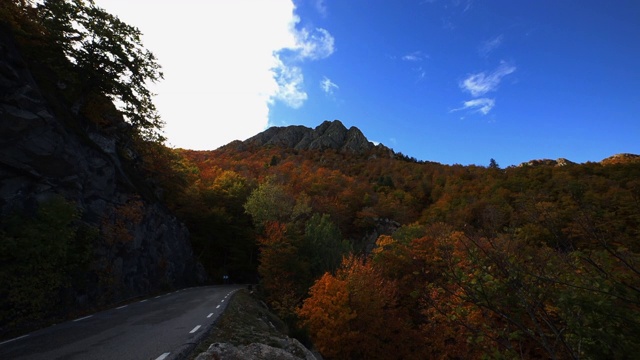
[{"x": 452, "y": 81}]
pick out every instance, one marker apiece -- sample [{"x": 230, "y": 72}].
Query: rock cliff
[
  {"x": 140, "y": 247},
  {"x": 328, "y": 135}
]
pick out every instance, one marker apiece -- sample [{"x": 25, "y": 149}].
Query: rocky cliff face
[
  {"x": 328, "y": 135},
  {"x": 141, "y": 247}
]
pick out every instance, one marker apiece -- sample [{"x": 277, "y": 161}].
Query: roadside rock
[
  {"x": 255, "y": 351},
  {"x": 248, "y": 330}
]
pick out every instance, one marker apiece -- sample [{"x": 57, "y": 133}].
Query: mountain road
[{"x": 164, "y": 327}]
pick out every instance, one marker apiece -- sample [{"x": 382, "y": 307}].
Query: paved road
[{"x": 159, "y": 328}]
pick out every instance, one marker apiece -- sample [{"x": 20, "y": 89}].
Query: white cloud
[
  {"x": 328, "y": 86},
  {"x": 482, "y": 105},
  {"x": 314, "y": 45},
  {"x": 321, "y": 7},
  {"x": 290, "y": 81},
  {"x": 307, "y": 45},
  {"x": 482, "y": 83},
  {"x": 490, "y": 45},
  {"x": 415, "y": 56},
  {"x": 224, "y": 63},
  {"x": 468, "y": 6}
]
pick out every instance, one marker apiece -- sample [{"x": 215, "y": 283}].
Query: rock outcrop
[
  {"x": 328, "y": 135},
  {"x": 41, "y": 157},
  {"x": 624, "y": 158},
  {"x": 548, "y": 162},
  {"x": 255, "y": 351}
]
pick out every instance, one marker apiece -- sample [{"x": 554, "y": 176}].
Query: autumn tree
[{"x": 354, "y": 315}]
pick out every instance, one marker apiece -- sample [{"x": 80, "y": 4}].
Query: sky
[{"x": 451, "y": 81}]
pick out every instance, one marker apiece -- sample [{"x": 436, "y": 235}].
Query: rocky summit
[{"x": 328, "y": 135}]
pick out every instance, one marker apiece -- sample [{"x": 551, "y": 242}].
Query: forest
[
  {"x": 538, "y": 261},
  {"x": 533, "y": 261}
]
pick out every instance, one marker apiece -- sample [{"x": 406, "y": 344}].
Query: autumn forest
[{"x": 534, "y": 261}]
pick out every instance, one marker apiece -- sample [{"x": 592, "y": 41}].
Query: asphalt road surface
[{"x": 159, "y": 328}]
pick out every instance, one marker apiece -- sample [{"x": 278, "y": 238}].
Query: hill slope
[{"x": 466, "y": 260}]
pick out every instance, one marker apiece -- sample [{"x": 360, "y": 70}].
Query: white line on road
[
  {"x": 222, "y": 301},
  {"x": 143, "y": 300},
  {"x": 14, "y": 339},
  {"x": 82, "y": 318},
  {"x": 218, "y": 307},
  {"x": 157, "y": 296},
  {"x": 194, "y": 329},
  {"x": 210, "y": 315},
  {"x": 121, "y": 307},
  {"x": 163, "y": 356}
]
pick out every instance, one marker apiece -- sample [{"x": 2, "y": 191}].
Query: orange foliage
[
  {"x": 354, "y": 315},
  {"x": 327, "y": 315}
]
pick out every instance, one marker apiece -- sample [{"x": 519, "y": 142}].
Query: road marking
[
  {"x": 143, "y": 300},
  {"x": 163, "y": 356},
  {"x": 157, "y": 296},
  {"x": 210, "y": 315},
  {"x": 82, "y": 318},
  {"x": 194, "y": 329},
  {"x": 218, "y": 307},
  {"x": 121, "y": 307},
  {"x": 14, "y": 339},
  {"x": 222, "y": 300}
]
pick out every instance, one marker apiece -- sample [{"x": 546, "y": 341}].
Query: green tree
[
  {"x": 269, "y": 202},
  {"x": 41, "y": 255},
  {"x": 109, "y": 57},
  {"x": 323, "y": 245}
]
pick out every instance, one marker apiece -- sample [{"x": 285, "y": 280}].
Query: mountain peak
[
  {"x": 623, "y": 158},
  {"x": 328, "y": 135}
]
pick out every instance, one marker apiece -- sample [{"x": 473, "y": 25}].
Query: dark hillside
[{"x": 81, "y": 225}]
